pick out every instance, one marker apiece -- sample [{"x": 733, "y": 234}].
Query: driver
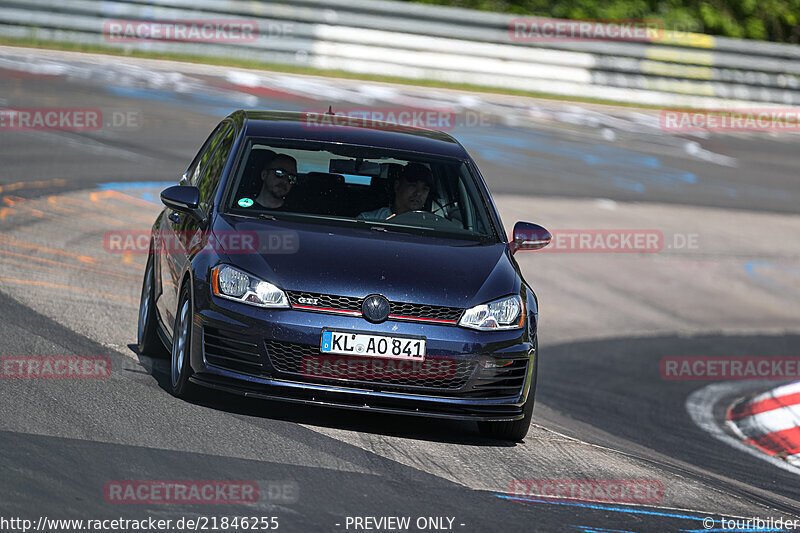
[{"x": 411, "y": 190}]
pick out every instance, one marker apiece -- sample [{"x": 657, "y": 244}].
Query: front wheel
[
  {"x": 180, "y": 368},
  {"x": 147, "y": 339},
  {"x": 514, "y": 430}
]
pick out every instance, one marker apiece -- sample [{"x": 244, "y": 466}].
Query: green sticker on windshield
[{"x": 245, "y": 202}]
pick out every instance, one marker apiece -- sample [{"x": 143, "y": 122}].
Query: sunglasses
[{"x": 291, "y": 178}]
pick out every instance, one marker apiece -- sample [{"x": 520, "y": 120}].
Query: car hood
[{"x": 357, "y": 262}]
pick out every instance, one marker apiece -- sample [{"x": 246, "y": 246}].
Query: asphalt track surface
[{"x": 603, "y": 410}]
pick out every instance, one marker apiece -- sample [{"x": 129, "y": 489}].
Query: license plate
[{"x": 364, "y": 344}]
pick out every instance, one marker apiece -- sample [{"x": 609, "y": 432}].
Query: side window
[
  {"x": 200, "y": 160},
  {"x": 216, "y": 164}
]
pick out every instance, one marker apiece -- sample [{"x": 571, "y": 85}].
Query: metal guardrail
[{"x": 458, "y": 45}]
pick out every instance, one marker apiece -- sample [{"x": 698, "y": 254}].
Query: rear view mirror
[
  {"x": 529, "y": 236},
  {"x": 357, "y": 167}
]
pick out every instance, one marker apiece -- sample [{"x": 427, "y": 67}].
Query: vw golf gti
[{"x": 354, "y": 265}]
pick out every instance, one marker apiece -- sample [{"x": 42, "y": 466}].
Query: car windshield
[{"x": 327, "y": 183}]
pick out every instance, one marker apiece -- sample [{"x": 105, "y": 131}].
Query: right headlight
[
  {"x": 505, "y": 313},
  {"x": 233, "y": 284}
]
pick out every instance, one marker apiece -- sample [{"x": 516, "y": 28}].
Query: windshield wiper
[
  {"x": 262, "y": 216},
  {"x": 414, "y": 230}
]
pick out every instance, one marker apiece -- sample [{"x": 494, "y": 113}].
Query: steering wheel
[
  {"x": 423, "y": 218},
  {"x": 443, "y": 208}
]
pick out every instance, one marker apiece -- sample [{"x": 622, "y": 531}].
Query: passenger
[
  {"x": 410, "y": 192},
  {"x": 278, "y": 176}
]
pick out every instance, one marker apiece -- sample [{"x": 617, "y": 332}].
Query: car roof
[{"x": 297, "y": 126}]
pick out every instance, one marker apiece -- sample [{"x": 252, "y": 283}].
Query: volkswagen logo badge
[{"x": 375, "y": 308}]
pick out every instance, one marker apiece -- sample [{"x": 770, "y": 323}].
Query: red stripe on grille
[
  {"x": 442, "y": 321},
  {"x": 358, "y": 313},
  {"x": 328, "y": 309}
]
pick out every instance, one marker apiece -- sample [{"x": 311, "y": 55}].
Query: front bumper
[{"x": 237, "y": 348}]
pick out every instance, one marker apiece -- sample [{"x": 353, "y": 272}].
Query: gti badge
[
  {"x": 375, "y": 308},
  {"x": 309, "y": 301}
]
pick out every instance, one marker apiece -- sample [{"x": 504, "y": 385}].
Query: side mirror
[
  {"x": 184, "y": 199},
  {"x": 529, "y": 236}
]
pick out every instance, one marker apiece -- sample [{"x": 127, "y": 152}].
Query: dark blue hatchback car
[{"x": 356, "y": 265}]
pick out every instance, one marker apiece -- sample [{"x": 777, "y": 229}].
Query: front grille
[
  {"x": 426, "y": 311},
  {"x": 228, "y": 350},
  {"x": 328, "y": 301},
  {"x": 306, "y": 361},
  {"x": 500, "y": 382},
  {"x": 397, "y": 309}
]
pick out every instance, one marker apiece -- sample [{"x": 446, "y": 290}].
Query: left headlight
[
  {"x": 505, "y": 313},
  {"x": 233, "y": 284}
]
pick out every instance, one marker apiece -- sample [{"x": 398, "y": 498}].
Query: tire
[
  {"x": 147, "y": 340},
  {"x": 180, "y": 368},
  {"x": 515, "y": 430}
]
